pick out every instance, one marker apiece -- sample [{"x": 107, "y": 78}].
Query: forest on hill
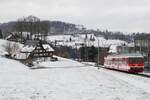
[{"x": 60, "y": 27}]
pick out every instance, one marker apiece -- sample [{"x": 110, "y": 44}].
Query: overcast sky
[{"x": 114, "y": 15}]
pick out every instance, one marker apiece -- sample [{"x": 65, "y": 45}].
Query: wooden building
[
  {"x": 18, "y": 37},
  {"x": 36, "y": 49},
  {"x": 14, "y": 37}
]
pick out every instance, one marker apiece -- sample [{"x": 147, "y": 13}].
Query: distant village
[{"x": 37, "y": 44}]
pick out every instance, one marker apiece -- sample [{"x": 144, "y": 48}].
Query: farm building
[
  {"x": 35, "y": 49},
  {"x": 18, "y": 37},
  {"x": 13, "y": 37}
]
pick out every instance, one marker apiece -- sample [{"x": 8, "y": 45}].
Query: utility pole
[
  {"x": 85, "y": 47},
  {"x": 98, "y": 56}
]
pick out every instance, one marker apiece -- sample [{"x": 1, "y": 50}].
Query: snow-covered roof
[
  {"x": 131, "y": 45},
  {"x": 113, "y": 49},
  {"x": 9, "y": 36},
  {"x": 126, "y": 55},
  {"x": 47, "y": 47},
  {"x": 27, "y": 48},
  {"x": 16, "y": 34},
  {"x": 31, "y": 45}
]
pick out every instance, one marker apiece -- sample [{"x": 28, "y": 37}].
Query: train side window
[{"x": 136, "y": 60}]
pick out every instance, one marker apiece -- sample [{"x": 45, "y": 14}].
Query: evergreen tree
[
  {"x": 92, "y": 52},
  {"x": 82, "y": 52},
  {"x": 1, "y": 34}
]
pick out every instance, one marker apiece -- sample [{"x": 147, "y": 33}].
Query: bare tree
[
  {"x": 8, "y": 48},
  {"x": 33, "y": 25},
  {"x": 11, "y": 48},
  {"x": 19, "y": 27}
]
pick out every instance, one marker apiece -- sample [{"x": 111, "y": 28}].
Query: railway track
[
  {"x": 136, "y": 74},
  {"x": 141, "y": 74}
]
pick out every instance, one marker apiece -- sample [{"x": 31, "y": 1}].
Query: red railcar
[{"x": 125, "y": 62}]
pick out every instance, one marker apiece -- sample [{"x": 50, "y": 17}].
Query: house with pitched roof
[{"x": 35, "y": 49}]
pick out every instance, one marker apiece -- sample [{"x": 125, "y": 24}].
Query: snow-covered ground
[
  {"x": 62, "y": 62},
  {"x": 67, "y": 80},
  {"x": 64, "y": 82}
]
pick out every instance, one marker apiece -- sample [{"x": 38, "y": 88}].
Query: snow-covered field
[
  {"x": 64, "y": 82},
  {"x": 67, "y": 80}
]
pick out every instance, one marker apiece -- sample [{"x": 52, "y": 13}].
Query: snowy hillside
[
  {"x": 78, "y": 39},
  {"x": 18, "y": 82}
]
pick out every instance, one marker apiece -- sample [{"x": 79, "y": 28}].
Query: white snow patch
[
  {"x": 27, "y": 48},
  {"x": 47, "y": 47},
  {"x": 62, "y": 62}
]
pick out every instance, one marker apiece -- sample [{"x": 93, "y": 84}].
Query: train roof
[{"x": 131, "y": 55}]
